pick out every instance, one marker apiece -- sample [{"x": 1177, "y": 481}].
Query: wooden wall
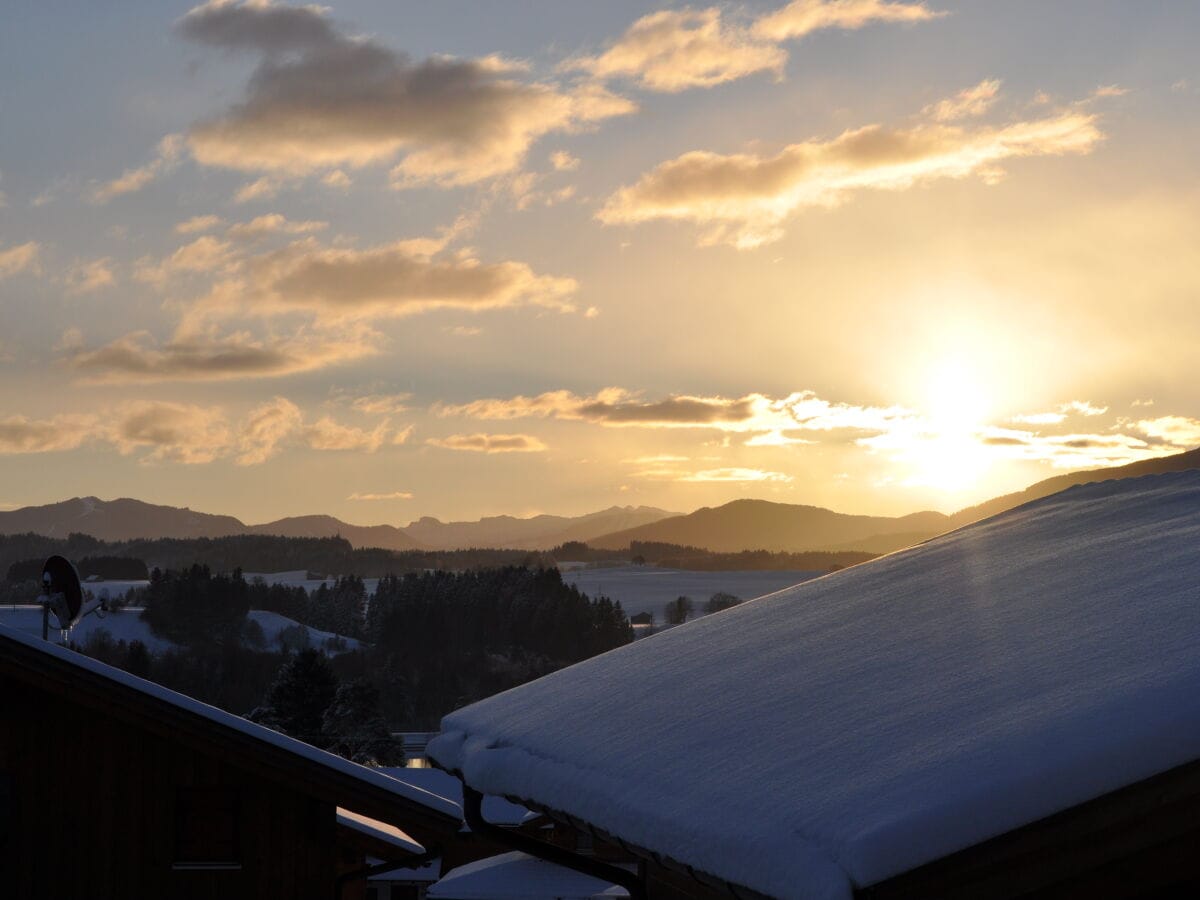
[{"x": 91, "y": 812}]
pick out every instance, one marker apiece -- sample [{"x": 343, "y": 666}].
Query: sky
[{"x": 386, "y": 260}]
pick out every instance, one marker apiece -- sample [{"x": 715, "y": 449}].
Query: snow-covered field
[
  {"x": 127, "y": 625},
  {"x": 650, "y": 589},
  {"x": 860, "y": 725}
]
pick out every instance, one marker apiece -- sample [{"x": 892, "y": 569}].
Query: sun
[{"x": 950, "y": 456}]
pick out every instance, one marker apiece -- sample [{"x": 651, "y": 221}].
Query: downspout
[
  {"x": 473, "y": 811},
  {"x": 408, "y": 862}
]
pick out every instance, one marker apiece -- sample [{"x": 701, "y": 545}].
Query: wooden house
[{"x": 113, "y": 787}]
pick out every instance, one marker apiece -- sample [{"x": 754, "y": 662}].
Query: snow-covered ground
[
  {"x": 650, "y": 589},
  {"x": 127, "y": 625},
  {"x": 859, "y": 725}
]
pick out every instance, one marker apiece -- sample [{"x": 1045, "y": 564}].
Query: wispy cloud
[
  {"x": 392, "y": 495},
  {"x": 198, "y": 223},
  {"x": 21, "y": 434},
  {"x": 21, "y": 258},
  {"x": 802, "y": 411},
  {"x": 969, "y": 102},
  {"x": 490, "y": 443},
  {"x": 273, "y": 223},
  {"x": 802, "y": 17},
  {"x": 398, "y": 279},
  {"x": 138, "y": 358},
  {"x": 672, "y": 50},
  {"x": 677, "y": 49},
  {"x": 91, "y": 275},
  {"x": 743, "y": 199},
  {"x": 166, "y": 157}
]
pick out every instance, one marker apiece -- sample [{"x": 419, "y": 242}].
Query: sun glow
[{"x": 951, "y": 457}]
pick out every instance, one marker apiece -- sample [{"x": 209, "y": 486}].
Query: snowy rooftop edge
[
  {"x": 381, "y": 831},
  {"x": 962, "y": 723},
  {"x": 237, "y": 723}
]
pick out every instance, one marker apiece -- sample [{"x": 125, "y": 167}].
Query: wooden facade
[{"x": 107, "y": 791}]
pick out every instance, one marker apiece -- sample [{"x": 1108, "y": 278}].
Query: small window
[{"x": 206, "y": 829}]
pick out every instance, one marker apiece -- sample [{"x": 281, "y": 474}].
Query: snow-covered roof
[
  {"x": 372, "y": 777},
  {"x": 496, "y": 810},
  {"x": 380, "y": 831},
  {"x": 518, "y": 876},
  {"x": 857, "y": 726}
]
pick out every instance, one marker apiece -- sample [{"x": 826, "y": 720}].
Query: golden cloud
[
  {"x": 743, "y": 199},
  {"x": 673, "y": 50},
  {"x": 490, "y": 443}
]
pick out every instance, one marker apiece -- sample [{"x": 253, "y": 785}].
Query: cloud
[
  {"x": 204, "y": 255},
  {"x": 392, "y": 280},
  {"x": 166, "y": 157},
  {"x": 1074, "y": 407},
  {"x": 969, "y": 102},
  {"x": 394, "y": 495},
  {"x": 1070, "y": 451},
  {"x": 136, "y": 358},
  {"x": 672, "y": 50},
  {"x": 198, "y": 223},
  {"x": 85, "y": 277},
  {"x": 490, "y": 443},
  {"x": 381, "y": 404},
  {"x": 321, "y": 99},
  {"x": 21, "y": 258},
  {"x": 171, "y": 432},
  {"x": 564, "y": 161},
  {"x": 1110, "y": 90},
  {"x": 260, "y": 189},
  {"x": 336, "y": 179},
  {"x": 802, "y": 17},
  {"x": 743, "y": 199},
  {"x": 20, "y": 434},
  {"x": 735, "y": 474},
  {"x": 1179, "y": 431},
  {"x": 326, "y": 434},
  {"x": 273, "y": 223},
  {"x": 802, "y": 411},
  {"x": 265, "y": 429}
]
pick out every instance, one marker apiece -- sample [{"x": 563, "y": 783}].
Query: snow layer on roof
[
  {"x": 496, "y": 810},
  {"x": 381, "y": 831},
  {"x": 518, "y": 876},
  {"x": 236, "y": 723},
  {"x": 862, "y": 724}
]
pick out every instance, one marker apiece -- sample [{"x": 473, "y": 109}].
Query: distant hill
[
  {"x": 386, "y": 536},
  {"x": 535, "y": 533},
  {"x": 762, "y": 525},
  {"x": 1177, "y": 462},
  {"x": 778, "y": 527},
  {"x": 127, "y": 520},
  {"x": 116, "y": 520}
]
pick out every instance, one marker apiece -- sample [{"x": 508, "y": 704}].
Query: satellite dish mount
[{"x": 62, "y": 595}]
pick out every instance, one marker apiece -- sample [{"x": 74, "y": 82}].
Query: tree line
[{"x": 431, "y": 642}]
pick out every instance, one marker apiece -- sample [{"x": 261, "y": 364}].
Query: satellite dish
[{"x": 60, "y": 583}]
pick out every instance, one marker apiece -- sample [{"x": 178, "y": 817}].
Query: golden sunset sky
[{"x": 387, "y": 259}]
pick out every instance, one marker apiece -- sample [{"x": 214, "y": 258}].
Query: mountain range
[
  {"x": 761, "y": 525},
  {"x": 126, "y": 519},
  {"x": 735, "y": 526}
]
